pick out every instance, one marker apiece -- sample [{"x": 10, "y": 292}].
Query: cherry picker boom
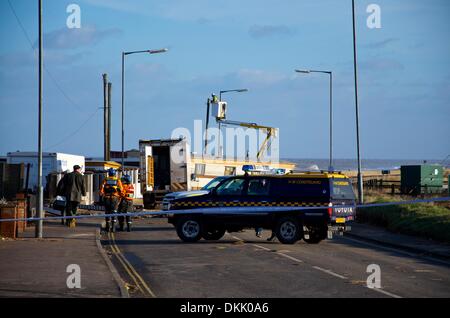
[
  {"x": 219, "y": 109},
  {"x": 270, "y": 132}
]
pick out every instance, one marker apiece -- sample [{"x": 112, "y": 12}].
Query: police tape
[{"x": 225, "y": 210}]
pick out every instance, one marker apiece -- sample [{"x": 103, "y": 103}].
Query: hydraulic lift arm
[{"x": 270, "y": 132}]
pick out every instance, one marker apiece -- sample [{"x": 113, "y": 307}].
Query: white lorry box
[{"x": 51, "y": 162}]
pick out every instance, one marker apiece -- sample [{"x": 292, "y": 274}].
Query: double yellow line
[{"x": 138, "y": 280}]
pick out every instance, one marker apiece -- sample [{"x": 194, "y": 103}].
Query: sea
[{"x": 366, "y": 164}]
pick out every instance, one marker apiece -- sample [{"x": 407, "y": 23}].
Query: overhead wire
[{"x": 61, "y": 90}]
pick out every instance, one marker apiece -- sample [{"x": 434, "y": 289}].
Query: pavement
[
  {"x": 33, "y": 267},
  {"x": 242, "y": 265},
  {"x": 409, "y": 243}
]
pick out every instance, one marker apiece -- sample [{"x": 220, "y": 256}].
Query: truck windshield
[{"x": 342, "y": 189}]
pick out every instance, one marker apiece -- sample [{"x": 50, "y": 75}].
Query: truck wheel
[
  {"x": 288, "y": 230},
  {"x": 213, "y": 234},
  {"x": 189, "y": 229}
]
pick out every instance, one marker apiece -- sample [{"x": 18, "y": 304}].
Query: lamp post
[
  {"x": 239, "y": 90},
  {"x": 330, "y": 166},
  {"x": 40, "y": 196},
  {"x": 360, "y": 181},
  {"x": 123, "y": 89}
]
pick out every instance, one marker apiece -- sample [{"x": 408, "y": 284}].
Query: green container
[{"x": 418, "y": 179}]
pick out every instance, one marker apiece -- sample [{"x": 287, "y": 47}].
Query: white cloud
[
  {"x": 260, "y": 31},
  {"x": 66, "y": 38}
]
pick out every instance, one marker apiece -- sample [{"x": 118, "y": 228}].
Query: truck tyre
[
  {"x": 288, "y": 230},
  {"x": 213, "y": 234},
  {"x": 189, "y": 229}
]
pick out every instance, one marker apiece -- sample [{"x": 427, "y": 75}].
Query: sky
[{"x": 403, "y": 73}]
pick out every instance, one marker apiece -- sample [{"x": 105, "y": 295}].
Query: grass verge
[{"x": 423, "y": 219}]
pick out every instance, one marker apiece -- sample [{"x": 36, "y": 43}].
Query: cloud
[
  {"x": 66, "y": 38},
  {"x": 12, "y": 61},
  {"x": 381, "y": 44},
  {"x": 381, "y": 64},
  {"x": 262, "y": 31},
  {"x": 120, "y": 5}
]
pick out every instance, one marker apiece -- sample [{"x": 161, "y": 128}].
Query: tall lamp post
[
  {"x": 123, "y": 90},
  {"x": 40, "y": 197},
  {"x": 360, "y": 181},
  {"x": 330, "y": 166},
  {"x": 239, "y": 90}
]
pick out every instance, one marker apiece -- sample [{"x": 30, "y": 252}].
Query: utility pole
[
  {"x": 360, "y": 181},
  {"x": 108, "y": 149},
  {"x": 123, "y": 112},
  {"x": 40, "y": 196},
  {"x": 330, "y": 166},
  {"x": 208, "y": 102},
  {"x": 105, "y": 117}
]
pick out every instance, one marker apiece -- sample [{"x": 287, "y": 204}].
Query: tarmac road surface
[{"x": 159, "y": 264}]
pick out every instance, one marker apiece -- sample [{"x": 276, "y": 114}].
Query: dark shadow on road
[
  {"x": 166, "y": 242},
  {"x": 152, "y": 229}
]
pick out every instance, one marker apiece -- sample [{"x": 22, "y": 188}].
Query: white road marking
[
  {"x": 290, "y": 257},
  {"x": 329, "y": 272},
  {"x": 262, "y": 247},
  {"x": 385, "y": 292},
  {"x": 279, "y": 253},
  {"x": 237, "y": 238}
]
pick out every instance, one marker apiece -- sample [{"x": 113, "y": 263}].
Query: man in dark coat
[
  {"x": 74, "y": 189},
  {"x": 58, "y": 204}
]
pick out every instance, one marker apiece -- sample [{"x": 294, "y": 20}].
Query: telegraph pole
[
  {"x": 360, "y": 181},
  {"x": 40, "y": 197},
  {"x": 105, "y": 117},
  {"x": 205, "y": 152},
  {"x": 108, "y": 152}
]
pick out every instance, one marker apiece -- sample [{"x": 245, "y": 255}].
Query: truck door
[
  {"x": 257, "y": 195},
  {"x": 161, "y": 164},
  {"x": 229, "y": 195}
]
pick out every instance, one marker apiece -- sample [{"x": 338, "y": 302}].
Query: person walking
[
  {"x": 60, "y": 203},
  {"x": 74, "y": 189},
  {"x": 126, "y": 202},
  {"x": 111, "y": 191}
]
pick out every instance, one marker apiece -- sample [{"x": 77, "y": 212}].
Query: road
[{"x": 157, "y": 264}]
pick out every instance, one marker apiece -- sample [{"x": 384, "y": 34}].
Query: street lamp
[
  {"x": 239, "y": 90},
  {"x": 123, "y": 88},
  {"x": 360, "y": 181},
  {"x": 330, "y": 166}
]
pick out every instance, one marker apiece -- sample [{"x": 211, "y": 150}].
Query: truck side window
[
  {"x": 258, "y": 187},
  {"x": 231, "y": 187}
]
